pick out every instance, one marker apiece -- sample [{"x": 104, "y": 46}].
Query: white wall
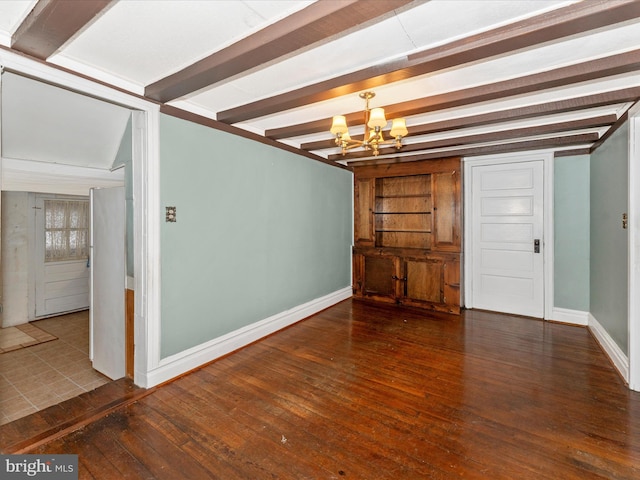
[{"x": 15, "y": 258}]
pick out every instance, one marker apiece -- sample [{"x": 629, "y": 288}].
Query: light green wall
[
  {"x": 571, "y": 232},
  {"x": 259, "y": 230},
  {"x": 609, "y": 242}
]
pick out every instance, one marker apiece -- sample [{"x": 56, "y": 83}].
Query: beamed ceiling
[{"x": 471, "y": 77}]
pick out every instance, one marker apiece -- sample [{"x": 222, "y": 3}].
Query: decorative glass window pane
[{"x": 66, "y": 230}]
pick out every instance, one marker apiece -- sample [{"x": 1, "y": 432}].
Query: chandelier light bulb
[
  {"x": 377, "y": 118},
  {"x": 399, "y": 128},
  {"x": 339, "y": 125}
]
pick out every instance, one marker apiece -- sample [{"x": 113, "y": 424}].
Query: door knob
[{"x": 536, "y": 245}]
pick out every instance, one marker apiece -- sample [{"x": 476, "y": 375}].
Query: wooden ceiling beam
[
  {"x": 51, "y": 23},
  {"x": 477, "y": 150},
  {"x": 557, "y": 24},
  {"x": 315, "y": 23},
  {"x": 559, "y": 77},
  {"x": 502, "y": 135},
  {"x": 500, "y": 116},
  {"x": 621, "y": 121}
]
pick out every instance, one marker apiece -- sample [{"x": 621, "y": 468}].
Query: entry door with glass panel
[{"x": 62, "y": 251}]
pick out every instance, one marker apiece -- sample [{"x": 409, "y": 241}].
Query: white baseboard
[
  {"x": 617, "y": 356},
  {"x": 197, "y": 356},
  {"x": 565, "y": 315}
]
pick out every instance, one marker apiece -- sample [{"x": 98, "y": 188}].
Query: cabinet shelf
[
  {"x": 402, "y": 213},
  {"x": 404, "y": 230},
  {"x": 417, "y": 195}
]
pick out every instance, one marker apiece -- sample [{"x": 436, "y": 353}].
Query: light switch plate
[{"x": 171, "y": 214}]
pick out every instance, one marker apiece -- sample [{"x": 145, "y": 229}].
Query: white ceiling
[
  {"x": 133, "y": 44},
  {"x": 44, "y": 123}
]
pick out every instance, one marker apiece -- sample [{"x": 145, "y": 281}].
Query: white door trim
[
  {"x": 146, "y": 189},
  {"x": 548, "y": 161},
  {"x": 634, "y": 249}
]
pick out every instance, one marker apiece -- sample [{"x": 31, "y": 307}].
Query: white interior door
[
  {"x": 108, "y": 260},
  {"x": 61, "y": 249},
  {"x": 507, "y": 235}
]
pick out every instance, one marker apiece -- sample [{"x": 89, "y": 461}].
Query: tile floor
[
  {"x": 26, "y": 335},
  {"x": 37, "y": 377}
]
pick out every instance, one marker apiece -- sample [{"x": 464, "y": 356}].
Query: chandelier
[{"x": 374, "y": 122}]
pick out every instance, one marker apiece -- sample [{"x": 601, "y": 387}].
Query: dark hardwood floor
[{"x": 364, "y": 391}]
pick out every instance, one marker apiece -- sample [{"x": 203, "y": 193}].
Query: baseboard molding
[
  {"x": 611, "y": 348},
  {"x": 573, "y": 317},
  {"x": 183, "y": 362}
]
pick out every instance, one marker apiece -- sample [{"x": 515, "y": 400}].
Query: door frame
[
  {"x": 146, "y": 191},
  {"x": 547, "y": 157},
  {"x": 633, "y": 205}
]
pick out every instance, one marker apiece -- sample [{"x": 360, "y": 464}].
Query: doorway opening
[{"x": 51, "y": 151}]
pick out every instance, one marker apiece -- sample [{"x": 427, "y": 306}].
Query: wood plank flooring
[{"x": 364, "y": 391}]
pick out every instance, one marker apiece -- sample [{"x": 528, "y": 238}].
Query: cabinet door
[
  {"x": 364, "y": 190},
  {"x": 446, "y": 211},
  {"x": 432, "y": 282},
  {"x": 380, "y": 277},
  {"x": 424, "y": 280}
]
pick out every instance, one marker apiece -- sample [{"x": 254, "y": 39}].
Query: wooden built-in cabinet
[{"x": 407, "y": 237}]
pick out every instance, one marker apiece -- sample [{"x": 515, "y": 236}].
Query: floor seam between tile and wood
[{"x": 36, "y": 377}]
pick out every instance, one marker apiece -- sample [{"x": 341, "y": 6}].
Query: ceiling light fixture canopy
[{"x": 374, "y": 122}]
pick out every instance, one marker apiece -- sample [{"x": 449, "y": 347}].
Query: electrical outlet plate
[{"x": 170, "y": 214}]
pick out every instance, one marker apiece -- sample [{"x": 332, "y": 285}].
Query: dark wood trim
[
  {"x": 208, "y": 122},
  {"x": 571, "y": 153},
  {"x": 560, "y": 23},
  {"x": 129, "y": 345},
  {"x": 559, "y": 77},
  {"x": 519, "y": 113},
  {"x": 172, "y": 111},
  {"x": 313, "y": 24},
  {"x": 523, "y": 132},
  {"x": 75, "y": 74},
  {"x": 52, "y": 23},
  {"x": 623, "y": 118},
  {"x": 58, "y": 420},
  {"x": 585, "y": 138},
  {"x": 488, "y": 137}
]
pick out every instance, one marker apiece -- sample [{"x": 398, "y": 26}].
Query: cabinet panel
[
  {"x": 380, "y": 273},
  {"x": 363, "y": 214},
  {"x": 403, "y": 186},
  {"x": 403, "y": 204},
  {"x": 452, "y": 282},
  {"x": 424, "y": 280},
  {"x": 404, "y": 222},
  {"x": 403, "y": 240},
  {"x": 446, "y": 205}
]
